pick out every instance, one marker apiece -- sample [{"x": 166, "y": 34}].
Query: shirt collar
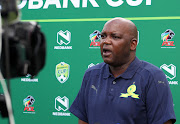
[{"x": 130, "y": 71}]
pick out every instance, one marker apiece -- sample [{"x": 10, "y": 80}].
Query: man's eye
[
  {"x": 102, "y": 36},
  {"x": 116, "y": 37}
]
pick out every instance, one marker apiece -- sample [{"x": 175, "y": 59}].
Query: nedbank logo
[
  {"x": 169, "y": 70},
  {"x": 92, "y": 64},
  {"x": 62, "y": 72},
  {"x": 61, "y": 104},
  {"x": 166, "y": 37},
  {"x": 29, "y": 79},
  {"x": 63, "y": 38},
  {"x": 95, "y": 39},
  {"x": 37, "y": 4}
]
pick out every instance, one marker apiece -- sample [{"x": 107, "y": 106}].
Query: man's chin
[
  {"x": 107, "y": 61},
  {"x": 110, "y": 62}
]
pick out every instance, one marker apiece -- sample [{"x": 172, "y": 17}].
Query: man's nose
[{"x": 106, "y": 40}]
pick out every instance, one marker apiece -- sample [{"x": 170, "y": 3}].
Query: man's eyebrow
[
  {"x": 102, "y": 31},
  {"x": 119, "y": 34}
]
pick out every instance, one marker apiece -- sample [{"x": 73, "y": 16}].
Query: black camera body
[
  {"x": 27, "y": 49},
  {"x": 22, "y": 47}
]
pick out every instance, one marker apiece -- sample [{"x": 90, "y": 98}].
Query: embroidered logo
[
  {"x": 130, "y": 92},
  {"x": 93, "y": 87}
]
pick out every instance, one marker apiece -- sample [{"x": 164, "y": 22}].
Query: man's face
[{"x": 115, "y": 43}]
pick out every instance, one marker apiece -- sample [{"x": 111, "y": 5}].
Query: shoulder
[
  {"x": 150, "y": 67},
  {"x": 96, "y": 68},
  {"x": 151, "y": 71},
  {"x": 92, "y": 74}
]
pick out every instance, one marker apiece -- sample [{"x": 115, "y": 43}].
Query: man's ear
[{"x": 133, "y": 44}]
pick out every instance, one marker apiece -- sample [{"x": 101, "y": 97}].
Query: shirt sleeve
[
  {"x": 78, "y": 107},
  {"x": 159, "y": 100}
]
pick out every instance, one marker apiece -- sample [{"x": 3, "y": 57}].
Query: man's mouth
[{"x": 106, "y": 52}]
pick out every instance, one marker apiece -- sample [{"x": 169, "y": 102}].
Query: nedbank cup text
[{"x": 37, "y": 4}]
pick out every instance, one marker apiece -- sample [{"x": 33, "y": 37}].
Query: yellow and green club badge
[{"x": 130, "y": 92}]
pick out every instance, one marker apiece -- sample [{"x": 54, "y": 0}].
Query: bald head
[
  {"x": 118, "y": 41},
  {"x": 128, "y": 25}
]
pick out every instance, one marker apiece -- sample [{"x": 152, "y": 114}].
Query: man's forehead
[
  {"x": 119, "y": 20},
  {"x": 121, "y": 25},
  {"x": 115, "y": 25}
]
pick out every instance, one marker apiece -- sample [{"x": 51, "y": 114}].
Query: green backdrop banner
[{"x": 69, "y": 26}]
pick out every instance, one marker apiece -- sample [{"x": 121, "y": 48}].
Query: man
[{"x": 123, "y": 89}]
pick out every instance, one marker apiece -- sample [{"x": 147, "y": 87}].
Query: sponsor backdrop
[{"x": 72, "y": 29}]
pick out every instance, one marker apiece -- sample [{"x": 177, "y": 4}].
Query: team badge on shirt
[{"x": 130, "y": 92}]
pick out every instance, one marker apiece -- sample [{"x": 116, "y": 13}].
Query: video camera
[
  {"x": 23, "y": 47},
  {"x": 26, "y": 44}
]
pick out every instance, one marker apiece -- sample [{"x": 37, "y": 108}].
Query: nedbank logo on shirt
[{"x": 130, "y": 92}]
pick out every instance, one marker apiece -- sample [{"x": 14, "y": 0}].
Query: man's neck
[{"x": 117, "y": 70}]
